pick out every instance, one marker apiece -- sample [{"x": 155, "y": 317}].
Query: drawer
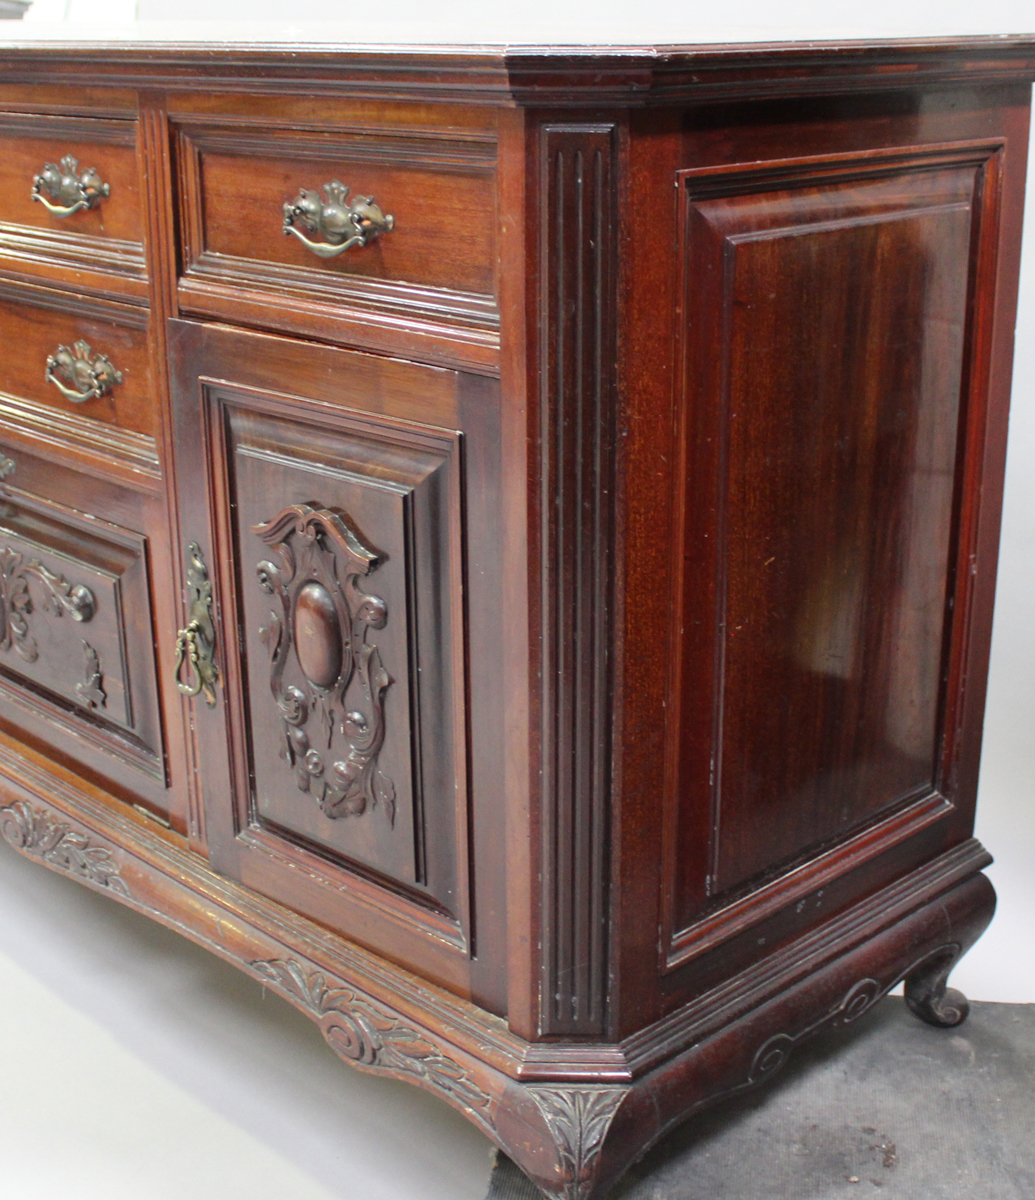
[
  {"x": 70, "y": 207},
  {"x": 31, "y": 335},
  {"x": 77, "y": 668},
  {"x": 429, "y": 266}
]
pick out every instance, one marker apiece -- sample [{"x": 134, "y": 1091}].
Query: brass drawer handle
[
  {"x": 340, "y": 222},
  {"x": 87, "y": 376},
  {"x": 70, "y": 190},
  {"x": 196, "y": 642}
]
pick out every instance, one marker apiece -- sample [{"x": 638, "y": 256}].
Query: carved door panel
[
  {"x": 77, "y": 666},
  {"x": 327, "y": 514}
]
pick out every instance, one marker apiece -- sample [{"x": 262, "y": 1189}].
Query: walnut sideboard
[{"x": 500, "y": 544}]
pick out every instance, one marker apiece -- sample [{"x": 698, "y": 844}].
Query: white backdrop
[{"x": 135, "y": 1067}]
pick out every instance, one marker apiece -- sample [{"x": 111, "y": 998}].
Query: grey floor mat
[{"x": 892, "y": 1109}]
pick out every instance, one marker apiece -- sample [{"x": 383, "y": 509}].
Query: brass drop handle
[
  {"x": 79, "y": 374},
  {"x": 342, "y": 223},
  {"x": 196, "y": 642},
  {"x": 188, "y": 646},
  {"x": 70, "y": 190}
]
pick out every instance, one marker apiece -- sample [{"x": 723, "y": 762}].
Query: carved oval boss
[{"x": 318, "y": 640}]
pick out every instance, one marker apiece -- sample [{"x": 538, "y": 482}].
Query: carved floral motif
[
  {"x": 579, "y": 1118},
  {"x": 35, "y": 832},
  {"x": 16, "y": 603},
  {"x": 324, "y": 619},
  {"x": 363, "y": 1033}
]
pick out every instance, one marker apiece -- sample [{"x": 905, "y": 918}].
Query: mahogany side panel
[
  {"x": 827, "y": 313},
  {"x": 777, "y": 904},
  {"x": 577, "y": 281}
]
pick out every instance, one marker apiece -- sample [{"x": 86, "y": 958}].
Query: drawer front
[
  {"x": 100, "y": 364},
  {"x": 76, "y": 642},
  {"x": 70, "y": 205},
  {"x": 391, "y": 226}
]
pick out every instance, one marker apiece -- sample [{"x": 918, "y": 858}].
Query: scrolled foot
[{"x": 928, "y": 996}]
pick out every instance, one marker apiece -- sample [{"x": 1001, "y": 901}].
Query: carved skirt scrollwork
[
  {"x": 775, "y": 1051},
  {"x": 36, "y": 833},
  {"x": 369, "y": 1036},
  {"x": 322, "y": 625},
  {"x": 16, "y": 602}
]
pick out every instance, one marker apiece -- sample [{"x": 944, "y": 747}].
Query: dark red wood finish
[
  {"x": 99, "y": 250},
  {"x": 743, "y": 203},
  {"x": 376, "y": 443},
  {"x": 602, "y": 559}
]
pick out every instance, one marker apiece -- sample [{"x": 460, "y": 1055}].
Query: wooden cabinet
[{"x": 501, "y": 546}]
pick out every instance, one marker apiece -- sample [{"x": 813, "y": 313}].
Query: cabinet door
[
  {"x": 77, "y": 562},
  {"x": 324, "y": 491}
]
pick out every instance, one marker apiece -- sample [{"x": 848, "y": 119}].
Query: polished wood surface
[
  {"x": 99, "y": 248},
  {"x": 762, "y": 153},
  {"x": 441, "y": 198},
  {"x": 597, "y": 565},
  {"x": 819, "y": 501},
  {"x": 38, "y": 324},
  {"x": 367, "y": 440},
  {"x": 428, "y": 282},
  {"x": 80, "y": 678}
]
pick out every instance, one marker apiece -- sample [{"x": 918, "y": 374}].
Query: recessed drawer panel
[
  {"x": 348, "y": 236},
  {"x": 75, "y": 362},
  {"x": 70, "y": 206}
]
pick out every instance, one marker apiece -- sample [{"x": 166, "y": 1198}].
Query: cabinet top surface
[{"x": 334, "y": 58}]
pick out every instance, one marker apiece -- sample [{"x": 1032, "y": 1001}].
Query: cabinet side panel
[
  {"x": 827, "y": 328},
  {"x": 577, "y": 307}
]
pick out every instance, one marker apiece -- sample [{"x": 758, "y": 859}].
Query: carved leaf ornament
[
  {"x": 578, "y": 1119},
  {"x": 90, "y": 689},
  {"x": 364, "y": 1034},
  {"x": 34, "y": 831},
  {"x": 327, "y": 679},
  {"x": 16, "y": 602}
]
